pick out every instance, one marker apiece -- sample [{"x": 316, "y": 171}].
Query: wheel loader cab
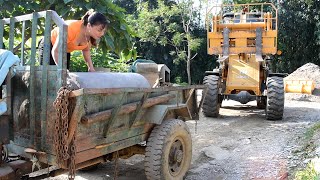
[
  {"x": 240, "y": 17},
  {"x": 231, "y": 18},
  {"x": 244, "y": 36}
]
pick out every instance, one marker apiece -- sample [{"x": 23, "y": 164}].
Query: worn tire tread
[
  {"x": 275, "y": 98},
  {"x": 211, "y": 105},
  {"x": 155, "y": 145}
]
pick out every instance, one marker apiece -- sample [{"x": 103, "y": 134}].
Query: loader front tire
[
  {"x": 211, "y": 103},
  {"x": 169, "y": 151},
  {"x": 275, "y": 98}
]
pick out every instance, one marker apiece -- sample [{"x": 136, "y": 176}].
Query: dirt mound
[
  {"x": 308, "y": 71},
  {"x": 303, "y": 97}
]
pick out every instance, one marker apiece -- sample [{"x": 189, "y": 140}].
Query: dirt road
[{"x": 240, "y": 144}]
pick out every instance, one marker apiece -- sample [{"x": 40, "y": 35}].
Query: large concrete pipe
[{"x": 108, "y": 80}]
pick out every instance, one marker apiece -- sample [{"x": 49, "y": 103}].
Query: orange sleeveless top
[{"x": 74, "y": 27}]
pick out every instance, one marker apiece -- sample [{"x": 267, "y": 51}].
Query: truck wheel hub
[{"x": 178, "y": 155}]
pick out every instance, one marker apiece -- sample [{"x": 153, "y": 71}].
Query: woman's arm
[
  {"x": 87, "y": 57},
  {"x": 54, "y": 50}
]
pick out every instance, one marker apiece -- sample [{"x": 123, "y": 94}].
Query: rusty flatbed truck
[{"x": 87, "y": 125}]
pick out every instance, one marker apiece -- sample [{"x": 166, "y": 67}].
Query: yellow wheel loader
[{"x": 244, "y": 36}]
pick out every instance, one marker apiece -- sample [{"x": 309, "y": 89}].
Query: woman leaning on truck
[{"x": 82, "y": 35}]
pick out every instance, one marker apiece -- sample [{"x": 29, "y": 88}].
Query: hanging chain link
[
  {"x": 72, "y": 163},
  {"x": 116, "y": 166},
  {"x": 63, "y": 150}
]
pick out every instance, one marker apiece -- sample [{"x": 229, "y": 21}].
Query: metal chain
[
  {"x": 63, "y": 150},
  {"x": 72, "y": 163}
]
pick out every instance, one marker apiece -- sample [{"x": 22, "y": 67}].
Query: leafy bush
[
  {"x": 311, "y": 172},
  {"x": 100, "y": 59}
]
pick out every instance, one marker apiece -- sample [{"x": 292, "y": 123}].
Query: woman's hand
[
  {"x": 87, "y": 57},
  {"x": 91, "y": 69}
]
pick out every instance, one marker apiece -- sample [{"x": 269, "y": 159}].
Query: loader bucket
[{"x": 299, "y": 86}]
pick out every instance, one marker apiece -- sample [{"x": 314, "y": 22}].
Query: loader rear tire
[
  {"x": 211, "y": 103},
  {"x": 169, "y": 151},
  {"x": 275, "y": 98}
]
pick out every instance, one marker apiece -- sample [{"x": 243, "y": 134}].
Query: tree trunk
[{"x": 188, "y": 64}]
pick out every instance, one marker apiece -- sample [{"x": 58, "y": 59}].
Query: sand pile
[{"x": 308, "y": 71}]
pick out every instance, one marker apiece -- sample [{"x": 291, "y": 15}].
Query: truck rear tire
[
  {"x": 169, "y": 151},
  {"x": 4, "y": 153},
  {"x": 275, "y": 98},
  {"x": 211, "y": 104}
]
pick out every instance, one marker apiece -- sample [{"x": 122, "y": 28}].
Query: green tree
[
  {"x": 170, "y": 25},
  {"x": 162, "y": 53},
  {"x": 299, "y": 34},
  {"x": 118, "y": 38},
  {"x": 186, "y": 44}
]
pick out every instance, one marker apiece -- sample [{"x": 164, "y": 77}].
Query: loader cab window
[
  {"x": 254, "y": 17},
  {"x": 229, "y": 18}
]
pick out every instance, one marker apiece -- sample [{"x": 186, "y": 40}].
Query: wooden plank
[
  {"x": 76, "y": 93},
  {"x": 22, "y": 43},
  {"x": 115, "y": 112},
  {"x": 55, "y": 17},
  {"x": 57, "y": 20},
  {"x": 139, "y": 108},
  {"x": 11, "y": 35},
  {"x": 125, "y": 109},
  {"x": 44, "y": 79},
  {"x": 62, "y": 56},
  {"x": 75, "y": 118},
  {"x": 1, "y": 33},
  {"x": 190, "y": 93},
  {"x": 110, "y": 91},
  {"x": 85, "y": 142},
  {"x": 37, "y": 68},
  {"x": 108, "y": 148},
  {"x": 33, "y": 78},
  {"x": 24, "y": 17}
]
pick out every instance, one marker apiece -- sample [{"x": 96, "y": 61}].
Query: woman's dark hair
[{"x": 95, "y": 19}]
